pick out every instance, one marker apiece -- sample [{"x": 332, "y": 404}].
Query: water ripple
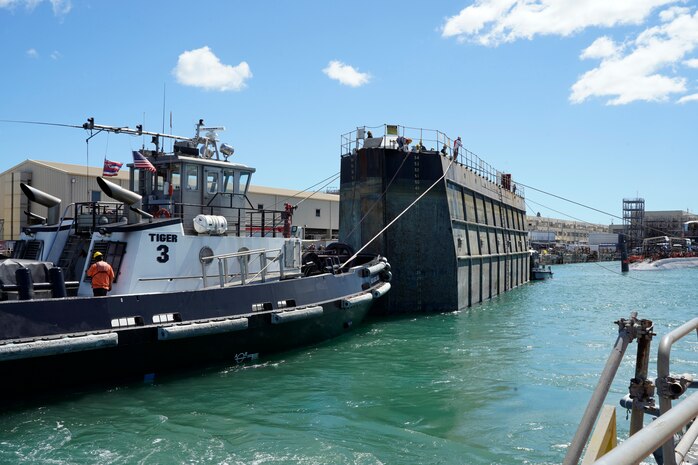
[{"x": 505, "y": 382}]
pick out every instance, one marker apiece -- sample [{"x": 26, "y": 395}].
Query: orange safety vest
[{"x": 102, "y": 275}]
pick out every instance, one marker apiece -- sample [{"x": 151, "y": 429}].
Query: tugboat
[{"x": 200, "y": 276}]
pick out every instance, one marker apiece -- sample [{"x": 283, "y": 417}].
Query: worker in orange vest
[{"x": 102, "y": 275}]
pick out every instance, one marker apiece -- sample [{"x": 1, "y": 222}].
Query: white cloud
[
  {"x": 346, "y": 74},
  {"x": 56, "y": 55},
  {"x": 60, "y": 7},
  {"x": 32, "y": 53},
  {"x": 689, "y": 98},
  {"x": 492, "y": 22},
  {"x": 637, "y": 75},
  {"x": 642, "y": 67},
  {"x": 673, "y": 12},
  {"x": 603, "y": 47},
  {"x": 201, "y": 68}
]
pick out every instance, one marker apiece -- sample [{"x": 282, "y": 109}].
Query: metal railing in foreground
[{"x": 643, "y": 441}]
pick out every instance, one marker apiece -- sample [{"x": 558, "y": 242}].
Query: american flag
[
  {"x": 111, "y": 168},
  {"x": 142, "y": 163}
]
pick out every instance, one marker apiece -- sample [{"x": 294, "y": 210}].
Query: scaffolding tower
[{"x": 634, "y": 222}]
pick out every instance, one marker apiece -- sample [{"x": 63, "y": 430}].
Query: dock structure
[{"x": 461, "y": 243}]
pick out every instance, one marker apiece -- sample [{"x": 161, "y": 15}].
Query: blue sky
[{"x": 591, "y": 100}]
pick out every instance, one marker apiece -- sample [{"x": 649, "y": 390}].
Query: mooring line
[{"x": 399, "y": 215}]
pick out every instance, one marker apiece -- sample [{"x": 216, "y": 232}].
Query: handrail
[
  {"x": 625, "y": 335},
  {"x": 670, "y": 421},
  {"x": 641, "y": 444},
  {"x": 223, "y": 264},
  {"x": 264, "y": 265},
  {"x": 231, "y": 212},
  {"x": 663, "y": 362},
  {"x": 74, "y": 205},
  {"x": 431, "y": 140}
]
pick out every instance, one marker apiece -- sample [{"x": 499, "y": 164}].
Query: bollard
[
  {"x": 25, "y": 284},
  {"x": 623, "y": 245},
  {"x": 55, "y": 276}
]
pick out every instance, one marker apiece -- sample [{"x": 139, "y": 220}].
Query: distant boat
[
  {"x": 665, "y": 264},
  {"x": 539, "y": 272},
  {"x": 203, "y": 277},
  {"x": 663, "y": 253}
]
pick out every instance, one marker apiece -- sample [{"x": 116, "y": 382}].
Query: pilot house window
[
  {"x": 212, "y": 183},
  {"x": 192, "y": 177},
  {"x": 228, "y": 182},
  {"x": 317, "y": 212}
]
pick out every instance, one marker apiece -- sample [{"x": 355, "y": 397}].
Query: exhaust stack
[
  {"x": 47, "y": 200},
  {"x": 131, "y": 200}
]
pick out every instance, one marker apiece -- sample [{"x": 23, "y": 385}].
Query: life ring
[{"x": 163, "y": 213}]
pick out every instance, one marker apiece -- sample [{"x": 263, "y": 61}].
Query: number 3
[{"x": 163, "y": 249}]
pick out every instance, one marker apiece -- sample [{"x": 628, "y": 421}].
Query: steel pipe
[
  {"x": 663, "y": 363},
  {"x": 641, "y": 444},
  {"x": 581, "y": 437}
]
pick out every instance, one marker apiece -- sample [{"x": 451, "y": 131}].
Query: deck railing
[
  {"x": 266, "y": 258},
  {"x": 431, "y": 140}
]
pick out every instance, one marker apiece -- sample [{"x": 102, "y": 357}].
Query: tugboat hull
[{"x": 217, "y": 325}]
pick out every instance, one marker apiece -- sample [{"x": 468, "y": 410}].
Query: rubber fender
[
  {"x": 41, "y": 348},
  {"x": 295, "y": 315},
  {"x": 185, "y": 330},
  {"x": 373, "y": 270},
  {"x": 356, "y": 300},
  {"x": 380, "y": 290}
]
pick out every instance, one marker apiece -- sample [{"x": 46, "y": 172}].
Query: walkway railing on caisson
[
  {"x": 420, "y": 139},
  {"x": 658, "y": 437}
]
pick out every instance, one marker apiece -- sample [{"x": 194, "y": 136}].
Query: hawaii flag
[
  {"x": 111, "y": 168},
  {"x": 142, "y": 163}
]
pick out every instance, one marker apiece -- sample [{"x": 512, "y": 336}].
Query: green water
[{"x": 505, "y": 382}]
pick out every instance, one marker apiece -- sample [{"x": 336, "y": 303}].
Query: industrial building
[
  {"x": 639, "y": 224},
  {"x": 557, "y": 232},
  {"x": 316, "y": 213}
]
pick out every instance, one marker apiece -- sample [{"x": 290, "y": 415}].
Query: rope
[
  {"x": 661, "y": 232},
  {"x": 332, "y": 179},
  {"x": 577, "y": 219},
  {"x": 570, "y": 201},
  {"x": 624, "y": 275},
  {"x": 398, "y": 216},
  {"x": 379, "y": 198}
]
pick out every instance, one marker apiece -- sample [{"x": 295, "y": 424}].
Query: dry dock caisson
[{"x": 464, "y": 239}]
